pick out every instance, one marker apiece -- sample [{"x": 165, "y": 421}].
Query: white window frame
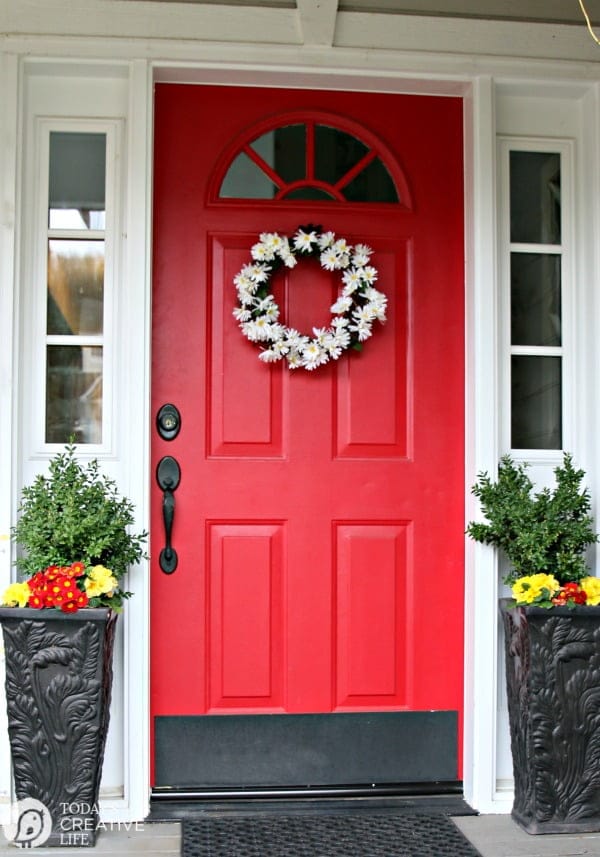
[
  {"x": 565, "y": 149},
  {"x": 37, "y": 298}
]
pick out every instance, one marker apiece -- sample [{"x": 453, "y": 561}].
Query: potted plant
[
  {"x": 73, "y": 532},
  {"x": 552, "y": 643}
]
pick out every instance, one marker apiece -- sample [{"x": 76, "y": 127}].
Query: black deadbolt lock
[{"x": 168, "y": 422}]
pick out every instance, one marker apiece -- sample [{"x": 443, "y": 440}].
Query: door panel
[{"x": 319, "y": 520}]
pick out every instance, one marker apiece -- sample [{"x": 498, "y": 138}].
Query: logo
[{"x": 30, "y": 825}]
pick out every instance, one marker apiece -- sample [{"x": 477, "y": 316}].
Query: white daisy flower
[
  {"x": 342, "y": 339},
  {"x": 373, "y": 295},
  {"x": 272, "y": 312},
  {"x": 247, "y": 271},
  {"x": 339, "y": 323},
  {"x": 283, "y": 249},
  {"x": 288, "y": 260},
  {"x": 362, "y": 250},
  {"x": 261, "y": 252},
  {"x": 263, "y": 303},
  {"x": 259, "y": 330},
  {"x": 269, "y": 355},
  {"x": 272, "y": 241},
  {"x": 352, "y": 277},
  {"x": 342, "y": 247},
  {"x": 242, "y": 314},
  {"x": 294, "y": 359},
  {"x": 243, "y": 281},
  {"x": 326, "y": 239},
  {"x": 330, "y": 260},
  {"x": 331, "y": 345},
  {"x": 362, "y": 329},
  {"x": 303, "y": 241},
  {"x": 364, "y": 313},
  {"x": 313, "y": 355},
  {"x": 342, "y": 304},
  {"x": 369, "y": 274},
  {"x": 277, "y": 332},
  {"x": 280, "y": 347},
  {"x": 378, "y": 301},
  {"x": 260, "y": 273},
  {"x": 295, "y": 340},
  {"x": 360, "y": 260},
  {"x": 246, "y": 298},
  {"x": 321, "y": 334}
]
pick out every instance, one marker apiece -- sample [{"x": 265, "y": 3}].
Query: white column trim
[
  {"x": 482, "y": 449},
  {"x": 134, "y": 447},
  {"x": 9, "y": 158}
]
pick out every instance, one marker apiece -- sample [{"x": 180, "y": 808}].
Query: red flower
[
  {"x": 570, "y": 592},
  {"x": 82, "y": 600},
  {"x": 37, "y": 580},
  {"x": 76, "y": 569},
  {"x": 57, "y": 586}
]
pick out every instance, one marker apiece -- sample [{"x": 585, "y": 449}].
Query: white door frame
[{"x": 483, "y": 443}]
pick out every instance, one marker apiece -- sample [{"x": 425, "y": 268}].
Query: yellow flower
[
  {"x": 526, "y": 589},
  {"x": 100, "y": 581},
  {"x": 591, "y": 587},
  {"x": 16, "y": 595}
]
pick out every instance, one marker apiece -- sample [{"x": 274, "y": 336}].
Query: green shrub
[
  {"x": 547, "y": 531},
  {"x": 74, "y": 514}
]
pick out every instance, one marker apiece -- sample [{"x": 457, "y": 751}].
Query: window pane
[
  {"x": 373, "y": 184},
  {"x": 77, "y": 180},
  {"x": 284, "y": 149},
  {"x": 75, "y": 287},
  {"x": 73, "y": 394},
  {"x": 336, "y": 152},
  {"x": 244, "y": 180},
  {"x": 535, "y": 299},
  {"x": 536, "y": 386},
  {"x": 535, "y": 197}
]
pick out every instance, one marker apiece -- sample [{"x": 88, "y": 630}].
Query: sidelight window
[
  {"x": 77, "y": 287},
  {"x": 536, "y": 182}
]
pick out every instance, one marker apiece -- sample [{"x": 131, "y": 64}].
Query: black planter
[
  {"x": 58, "y": 686},
  {"x": 553, "y": 684}
]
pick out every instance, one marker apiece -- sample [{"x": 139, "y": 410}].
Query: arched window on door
[{"x": 311, "y": 158}]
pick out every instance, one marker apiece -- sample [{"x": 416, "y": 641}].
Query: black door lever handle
[{"x": 168, "y": 476}]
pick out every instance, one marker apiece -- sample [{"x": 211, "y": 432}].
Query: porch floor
[{"x": 492, "y": 835}]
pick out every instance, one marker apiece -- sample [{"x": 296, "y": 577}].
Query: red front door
[{"x": 319, "y": 519}]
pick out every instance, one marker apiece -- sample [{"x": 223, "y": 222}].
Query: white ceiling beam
[{"x": 317, "y": 20}]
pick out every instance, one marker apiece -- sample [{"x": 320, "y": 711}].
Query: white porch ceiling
[{"x": 538, "y": 11}]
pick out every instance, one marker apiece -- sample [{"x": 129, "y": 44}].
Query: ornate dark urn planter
[
  {"x": 58, "y": 687},
  {"x": 553, "y": 684}
]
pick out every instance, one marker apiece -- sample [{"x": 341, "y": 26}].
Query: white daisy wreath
[{"x": 358, "y": 305}]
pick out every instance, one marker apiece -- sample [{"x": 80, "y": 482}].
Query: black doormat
[{"x": 349, "y": 835}]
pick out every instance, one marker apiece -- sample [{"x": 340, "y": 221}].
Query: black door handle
[{"x": 168, "y": 476}]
